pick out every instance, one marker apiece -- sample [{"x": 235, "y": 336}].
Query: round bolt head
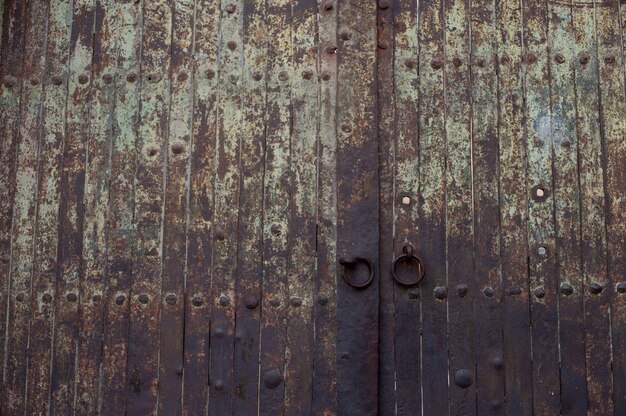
[
  {"x": 272, "y": 379},
  {"x": 182, "y": 76},
  {"x": 531, "y": 58},
  {"x": 610, "y": 59},
  {"x": 224, "y": 301},
  {"x": 326, "y": 76},
  {"x": 274, "y": 303},
  {"x": 120, "y": 299},
  {"x": 257, "y": 76},
  {"x": 232, "y": 45},
  {"x": 296, "y": 302},
  {"x": 414, "y": 293},
  {"x": 57, "y": 80},
  {"x": 322, "y": 299},
  {"x": 218, "y": 385},
  {"x": 231, "y": 8},
  {"x": 515, "y": 290},
  {"x": 488, "y": 291},
  {"x": 252, "y": 302},
  {"x": 276, "y": 229},
  {"x": 497, "y": 361},
  {"x": 132, "y": 77},
  {"x": 46, "y": 298},
  {"x": 457, "y": 62},
  {"x": 328, "y": 6},
  {"x": 218, "y": 332},
  {"x": 463, "y": 378},
  {"x": 71, "y": 297},
  {"x": 107, "y": 78},
  {"x": 566, "y": 289},
  {"x": 197, "y": 301},
  {"x": 595, "y": 288},
  {"x": 621, "y": 287},
  {"x": 440, "y": 293},
  {"x": 559, "y": 58},
  {"x": 143, "y": 298},
  {"x": 20, "y": 297},
  {"x": 10, "y": 81},
  {"x": 308, "y": 74},
  {"x": 540, "y": 292},
  {"x": 584, "y": 58},
  {"x": 383, "y": 4},
  {"x": 437, "y": 62},
  {"x": 96, "y": 298},
  {"x": 209, "y": 73},
  {"x": 283, "y": 76},
  {"x": 83, "y": 78},
  {"x": 461, "y": 290},
  {"x": 170, "y": 299}
]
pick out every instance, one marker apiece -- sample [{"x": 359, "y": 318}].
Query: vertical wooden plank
[
  {"x": 592, "y": 213},
  {"x": 175, "y": 216},
  {"x": 541, "y": 233},
  {"x": 11, "y": 61},
  {"x": 325, "y": 347},
  {"x": 432, "y": 209},
  {"x": 566, "y": 210},
  {"x": 24, "y": 209},
  {"x": 250, "y": 249},
  {"x": 143, "y": 345},
  {"x": 357, "y": 209},
  {"x": 458, "y": 212},
  {"x": 486, "y": 171},
  {"x": 226, "y": 209},
  {"x": 276, "y": 208},
  {"x": 386, "y": 17},
  {"x": 70, "y": 269},
  {"x": 96, "y": 197},
  {"x": 516, "y": 356},
  {"x": 612, "y": 127},
  {"x": 198, "y": 279},
  {"x": 121, "y": 204},
  {"x": 406, "y": 203},
  {"x": 48, "y": 195},
  {"x": 301, "y": 238}
]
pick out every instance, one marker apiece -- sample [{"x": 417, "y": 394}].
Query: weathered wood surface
[{"x": 188, "y": 187}]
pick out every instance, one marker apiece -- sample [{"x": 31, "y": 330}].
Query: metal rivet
[
  {"x": 345, "y": 35},
  {"x": 152, "y": 151},
  {"x": 283, "y": 76},
  {"x": 96, "y": 298},
  {"x": 584, "y": 58},
  {"x": 170, "y": 299},
  {"x": 252, "y": 302},
  {"x": 224, "y": 301},
  {"x": 437, "y": 62},
  {"x": 406, "y": 200},
  {"x": 456, "y": 61},
  {"x": 559, "y": 58},
  {"x": 480, "y": 62},
  {"x": 296, "y": 302},
  {"x": 609, "y": 59},
  {"x": 182, "y": 76},
  {"x": 537, "y": 142},
  {"x": 83, "y": 79},
  {"x": 331, "y": 50},
  {"x": 488, "y": 291},
  {"x": 595, "y": 288},
  {"x": 542, "y": 251},
  {"x": 197, "y": 301},
  {"x": 413, "y": 293},
  {"x": 107, "y": 78},
  {"x": 410, "y": 63},
  {"x": 132, "y": 77},
  {"x": 515, "y": 290},
  {"x": 621, "y": 287},
  {"x": 540, "y": 193},
  {"x": 566, "y": 144},
  {"x": 567, "y": 289},
  {"x": 272, "y": 379},
  {"x": 153, "y": 78},
  {"x": 34, "y": 82},
  {"x": 540, "y": 292},
  {"x": 440, "y": 292},
  {"x": 179, "y": 370},
  {"x": 233, "y": 79},
  {"x": 232, "y": 45},
  {"x": 209, "y": 73},
  {"x": 143, "y": 298},
  {"x": 383, "y": 4},
  {"x": 120, "y": 299},
  {"x": 178, "y": 148},
  {"x": 219, "y": 332},
  {"x": 10, "y": 81},
  {"x": 71, "y": 297},
  {"x": 328, "y": 6},
  {"x": 57, "y": 80},
  {"x": 307, "y": 74},
  {"x": 275, "y": 303},
  {"x": 218, "y": 385},
  {"x": 383, "y": 45},
  {"x": 276, "y": 229},
  {"x": 231, "y": 8},
  {"x": 346, "y": 128},
  {"x": 322, "y": 299},
  {"x": 461, "y": 290},
  {"x": 20, "y": 297},
  {"x": 505, "y": 59},
  {"x": 219, "y": 235},
  {"x": 326, "y": 75},
  {"x": 46, "y": 298},
  {"x": 496, "y": 404},
  {"x": 531, "y": 58},
  {"x": 257, "y": 76},
  {"x": 496, "y": 361},
  {"x": 463, "y": 378}
]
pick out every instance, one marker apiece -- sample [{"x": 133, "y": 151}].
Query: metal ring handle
[
  {"x": 351, "y": 262},
  {"x": 408, "y": 256}
]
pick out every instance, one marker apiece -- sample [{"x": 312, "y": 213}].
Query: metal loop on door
[
  {"x": 350, "y": 263},
  {"x": 408, "y": 257}
]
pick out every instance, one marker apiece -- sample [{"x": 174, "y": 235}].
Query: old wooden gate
[{"x": 301, "y": 207}]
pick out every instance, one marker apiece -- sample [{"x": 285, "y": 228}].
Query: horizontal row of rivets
[{"x": 271, "y": 380}]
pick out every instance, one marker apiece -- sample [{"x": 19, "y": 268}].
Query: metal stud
[
  {"x": 224, "y": 301},
  {"x": 345, "y": 35},
  {"x": 143, "y": 298},
  {"x": 497, "y": 361},
  {"x": 272, "y": 379},
  {"x": 461, "y": 290},
  {"x": 296, "y": 302},
  {"x": 540, "y": 292},
  {"x": 230, "y": 9},
  {"x": 182, "y": 76},
  {"x": 437, "y": 62},
  {"x": 209, "y": 73},
  {"x": 10, "y": 81},
  {"x": 170, "y": 299},
  {"x": 120, "y": 299},
  {"x": 197, "y": 301},
  {"x": 219, "y": 333},
  {"x": 96, "y": 298},
  {"x": 457, "y": 62},
  {"x": 410, "y": 63},
  {"x": 308, "y": 74},
  {"x": 20, "y": 297},
  {"x": 326, "y": 76},
  {"x": 531, "y": 58},
  {"x": 257, "y": 76},
  {"x": 274, "y": 303},
  {"x": 584, "y": 58},
  {"x": 107, "y": 78},
  {"x": 610, "y": 59},
  {"x": 328, "y": 6},
  {"x": 621, "y": 287},
  {"x": 83, "y": 78},
  {"x": 559, "y": 58},
  {"x": 322, "y": 299},
  {"x": 218, "y": 385},
  {"x": 57, "y": 80},
  {"x": 463, "y": 378},
  {"x": 566, "y": 289},
  {"x": 440, "y": 293},
  {"x": 46, "y": 298},
  {"x": 383, "y": 4},
  {"x": 252, "y": 302},
  {"x": 414, "y": 293},
  {"x": 71, "y": 297},
  {"x": 515, "y": 290},
  {"x": 132, "y": 77},
  {"x": 283, "y": 76},
  {"x": 595, "y": 288},
  {"x": 232, "y": 45},
  {"x": 488, "y": 291},
  {"x": 178, "y": 148}
]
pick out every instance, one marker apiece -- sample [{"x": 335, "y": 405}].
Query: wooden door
[{"x": 312, "y": 207}]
